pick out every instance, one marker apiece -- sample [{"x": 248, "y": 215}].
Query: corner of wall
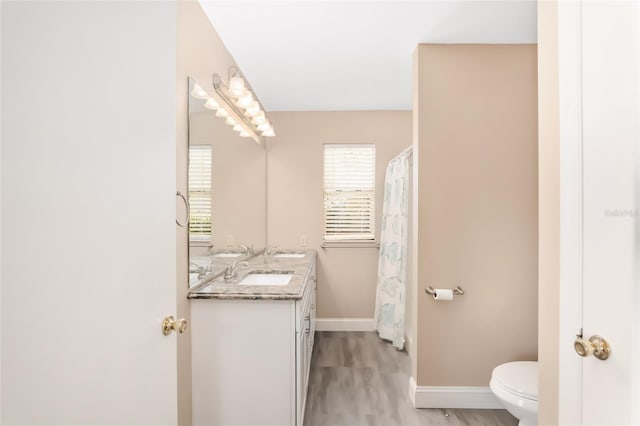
[
  {"x": 549, "y": 213},
  {"x": 414, "y": 212}
]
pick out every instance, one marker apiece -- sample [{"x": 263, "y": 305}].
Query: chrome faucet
[
  {"x": 194, "y": 267},
  {"x": 248, "y": 250},
  {"x": 231, "y": 271},
  {"x": 269, "y": 250}
]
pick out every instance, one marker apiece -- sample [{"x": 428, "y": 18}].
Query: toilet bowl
[{"x": 515, "y": 384}]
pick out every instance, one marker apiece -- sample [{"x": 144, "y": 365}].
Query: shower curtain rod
[{"x": 406, "y": 151}]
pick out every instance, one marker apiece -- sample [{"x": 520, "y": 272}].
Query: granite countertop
[{"x": 220, "y": 289}]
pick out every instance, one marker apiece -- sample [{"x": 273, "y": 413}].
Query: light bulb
[
  {"x": 244, "y": 134},
  {"x": 230, "y": 121},
  {"x": 253, "y": 110},
  {"x": 260, "y": 118},
  {"x": 221, "y": 112},
  {"x": 211, "y": 104},
  {"x": 269, "y": 132},
  {"x": 236, "y": 86},
  {"x": 237, "y": 128},
  {"x": 245, "y": 101},
  {"x": 264, "y": 126},
  {"x": 198, "y": 92}
]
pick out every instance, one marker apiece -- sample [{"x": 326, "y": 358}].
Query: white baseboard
[
  {"x": 452, "y": 396},
  {"x": 412, "y": 391},
  {"x": 345, "y": 324}
]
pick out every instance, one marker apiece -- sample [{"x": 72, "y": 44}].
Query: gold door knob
[
  {"x": 170, "y": 324},
  {"x": 596, "y": 346}
]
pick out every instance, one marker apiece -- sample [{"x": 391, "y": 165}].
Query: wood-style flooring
[{"x": 357, "y": 379}]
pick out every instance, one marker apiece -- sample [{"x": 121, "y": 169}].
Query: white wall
[{"x": 88, "y": 210}]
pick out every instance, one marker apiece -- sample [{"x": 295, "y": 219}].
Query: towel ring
[{"x": 186, "y": 203}]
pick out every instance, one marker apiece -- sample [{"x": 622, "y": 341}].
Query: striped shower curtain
[{"x": 392, "y": 262}]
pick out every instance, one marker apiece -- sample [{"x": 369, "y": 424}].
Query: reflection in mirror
[{"x": 227, "y": 192}]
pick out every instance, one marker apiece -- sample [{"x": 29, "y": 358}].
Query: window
[
  {"x": 200, "y": 192},
  {"x": 349, "y": 185}
]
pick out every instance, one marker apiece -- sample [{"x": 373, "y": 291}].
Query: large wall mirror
[{"x": 227, "y": 192}]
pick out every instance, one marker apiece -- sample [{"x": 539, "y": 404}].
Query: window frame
[
  {"x": 354, "y": 239},
  {"x": 200, "y": 238}
]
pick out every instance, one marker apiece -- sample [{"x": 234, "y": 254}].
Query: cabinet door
[
  {"x": 313, "y": 318},
  {"x": 309, "y": 353},
  {"x": 301, "y": 354}
]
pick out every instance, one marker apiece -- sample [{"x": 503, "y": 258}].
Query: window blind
[
  {"x": 200, "y": 192},
  {"x": 349, "y": 186}
]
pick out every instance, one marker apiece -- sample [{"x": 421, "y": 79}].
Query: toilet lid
[{"x": 520, "y": 378}]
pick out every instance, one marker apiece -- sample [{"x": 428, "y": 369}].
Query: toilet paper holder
[{"x": 458, "y": 291}]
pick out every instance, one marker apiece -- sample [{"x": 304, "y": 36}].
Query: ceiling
[{"x": 353, "y": 55}]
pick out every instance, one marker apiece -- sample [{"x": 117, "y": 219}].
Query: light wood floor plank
[{"x": 357, "y": 379}]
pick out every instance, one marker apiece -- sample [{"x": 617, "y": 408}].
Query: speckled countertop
[{"x": 221, "y": 289}]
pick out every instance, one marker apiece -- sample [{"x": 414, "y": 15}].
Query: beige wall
[
  {"x": 346, "y": 276},
  {"x": 476, "y": 136},
  {"x": 549, "y": 211},
  {"x": 199, "y": 54}
]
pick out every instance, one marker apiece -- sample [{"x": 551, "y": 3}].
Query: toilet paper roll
[{"x": 443, "y": 294}]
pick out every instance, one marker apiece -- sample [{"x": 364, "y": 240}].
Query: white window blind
[
  {"x": 200, "y": 192},
  {"x": 349, "y": 186}
]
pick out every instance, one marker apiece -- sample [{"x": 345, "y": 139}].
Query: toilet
[{"x": 515, "y": 384}]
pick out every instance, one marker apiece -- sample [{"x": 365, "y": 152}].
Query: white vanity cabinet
[
  {"x": 305, "y": 333},
  {"x": 251, "y": 356}
]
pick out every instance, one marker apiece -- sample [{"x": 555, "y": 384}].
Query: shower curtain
[{"x": 392, "y": 262}]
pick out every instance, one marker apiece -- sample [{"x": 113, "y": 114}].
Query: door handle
[
  {"x": 596, "y": 346},
  {"x": 170, "y": 324},
  {"x": 307, "y": 324},
  {"x": 188, "y": 206}
]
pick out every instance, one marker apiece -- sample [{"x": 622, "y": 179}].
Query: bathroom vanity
[{"x": 252, "y": 340}]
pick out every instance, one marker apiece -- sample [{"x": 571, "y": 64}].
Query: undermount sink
[
  {"x": 267, "y": 278},
  {"x": 290, "y": 255},
  {"x": 228, "y": 254}
]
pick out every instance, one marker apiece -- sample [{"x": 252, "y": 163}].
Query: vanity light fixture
[
  {"x": 236, "y": 86},
  {"x": 211, "y": 103},
  {"x": 253, "y": 110},
  {"x": 259, "y": 119},
  {"x": 199, "y": 93},
  {"x": 264, "y": 126},
  {"x": 240, "y": 102},
  {"x": 245, "y": 101},
  {"x": 269, "y": 132}
]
